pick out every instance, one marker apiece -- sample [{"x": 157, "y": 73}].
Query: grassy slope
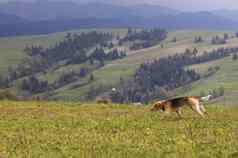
[
  {"x": 58, "y": 129},
  {"x": 11, "y": 53},
  {"x": 225, "y": 77},
  {"x": 111, "y": 73}
]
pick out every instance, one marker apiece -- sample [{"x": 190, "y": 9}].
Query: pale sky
[{"x": 187, "y": 5}]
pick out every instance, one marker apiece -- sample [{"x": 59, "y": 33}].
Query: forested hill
[{"x": 88, "y": 52}]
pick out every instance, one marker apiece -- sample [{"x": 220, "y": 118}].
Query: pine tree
[
  {"x": 234, "y": 58},
  {"x": 91, "y": 77}
]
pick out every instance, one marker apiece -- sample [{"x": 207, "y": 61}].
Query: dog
[{"x": 175, "y": 105}]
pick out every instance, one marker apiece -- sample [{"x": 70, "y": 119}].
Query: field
[{"x": 67, "y": 129}]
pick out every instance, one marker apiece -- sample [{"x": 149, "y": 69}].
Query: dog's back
[{"x": 179, "y": 102}]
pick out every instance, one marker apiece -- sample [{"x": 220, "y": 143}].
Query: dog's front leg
[
  {"x": 202, "y": 108},
  {"x": 196, "y": 108}
]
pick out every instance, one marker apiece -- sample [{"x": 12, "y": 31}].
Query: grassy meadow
[{"x": 73, "y": 129}]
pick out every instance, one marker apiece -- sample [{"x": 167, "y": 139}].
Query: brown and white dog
[{"x": 174, "y": 105}]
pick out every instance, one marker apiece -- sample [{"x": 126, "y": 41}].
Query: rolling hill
[{"x": 110, "y": 74}]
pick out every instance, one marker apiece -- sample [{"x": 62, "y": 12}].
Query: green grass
[{"x": 67, "y": 129}]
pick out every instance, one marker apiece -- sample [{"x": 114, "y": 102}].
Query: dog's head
[{"x": 158, "y": 106}]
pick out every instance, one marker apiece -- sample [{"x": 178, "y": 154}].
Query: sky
[{"x": 185, "y": 5}]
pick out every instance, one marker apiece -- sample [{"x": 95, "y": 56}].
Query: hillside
[
  {"x": 109, "y": 75},
  {"x": 66, "y": 129},
  {"x": 225, "y": 77},
  {"x": 11, "y": 48}
]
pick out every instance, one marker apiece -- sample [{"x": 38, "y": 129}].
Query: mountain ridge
[{"x": 48, "y": 10}]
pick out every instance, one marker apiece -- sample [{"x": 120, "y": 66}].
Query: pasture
[{"x": 74, "y": 129}]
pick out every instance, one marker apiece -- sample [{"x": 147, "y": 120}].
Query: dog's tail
[{"x": 207, "y": 98}]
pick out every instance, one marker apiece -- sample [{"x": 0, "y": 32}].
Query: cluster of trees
[
  {"x": 73, "y": 46},
  {"x": 34, "y": 85},
  {"x": 72, "y": 76},
  {"x": 144, "y": 38},
  {"x": 234, "y": 57},
  {"x": 100, "y": 55},
  {"x": 156, "y": 79},
  {"x": 4, "y": 82},
  {"x": 174, "y": 40},
  {"x": 236, "y": 34},
  {"x": 198, "y": 39},
  {"x": 74, "y": 49},
  {"x": 219, "y": 40},
  {"x": 211, "y": 71},
  {"x": 218, "y": 92}
]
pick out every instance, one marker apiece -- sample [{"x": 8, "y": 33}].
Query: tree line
[{"x": 144, "y": 38}]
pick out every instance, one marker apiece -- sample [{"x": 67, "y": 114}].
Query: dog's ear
[{"x": 153, "y": 107}]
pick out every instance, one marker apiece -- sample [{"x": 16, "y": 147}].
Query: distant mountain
[
  {"x": 201, "y": 20},
  {"x": 51, "y": 10},
  {"x": 50, "y": 16},
  {"x": 229, "y": 14},
  {"x": 10, "y": 19},
  {"x": 197, "y": 20}
]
